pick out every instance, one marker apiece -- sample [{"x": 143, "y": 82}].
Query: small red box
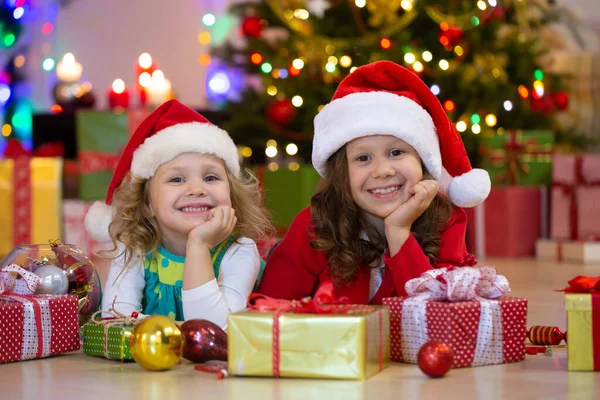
[{"x": 37, "y": 326}]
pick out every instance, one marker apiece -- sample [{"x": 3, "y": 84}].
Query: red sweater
[{"x": 295, "y": 270}]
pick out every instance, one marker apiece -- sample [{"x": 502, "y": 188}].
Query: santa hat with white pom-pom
[
  {"x": 384, "y": 98},
  {"x": 170, "y": 130}
]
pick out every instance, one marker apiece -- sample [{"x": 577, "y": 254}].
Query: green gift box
[
  {"x": 287, "y": 192},
  {"x": 518, "y": 157},
  {"x": 114, "y": 339},
  {"x": 101, "y": 136}
]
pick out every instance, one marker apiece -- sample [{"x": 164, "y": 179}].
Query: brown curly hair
[
  {"x": 337, "y": 220},
  {"x": 134, "y": 226}
]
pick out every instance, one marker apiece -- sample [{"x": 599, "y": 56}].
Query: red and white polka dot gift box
[
  {"x": 34, "y": 326},
  {"x": 467, "y": 309}
]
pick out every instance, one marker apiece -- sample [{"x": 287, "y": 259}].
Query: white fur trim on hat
[
  {"x": 97, "y": 220},
  {"x": 470, "y": 188},
  {"x": 375, "y": 113},
  {"x": 190, "y": 137}
]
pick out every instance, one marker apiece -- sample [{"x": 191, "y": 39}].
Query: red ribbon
[
  {"x": 95, "y": 161},
  {"x": 570, "y": 189},
  {"x": 512, "y": 156},
  {"x": 37, "y": 311},
  {"x": 324, "y": 302},
  {"x": 21, "y": 184},
  {"x": 583, "y": 284},
  {"x": 7, "y": 282}
]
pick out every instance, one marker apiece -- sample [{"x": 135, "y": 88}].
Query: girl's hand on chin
[
  {"x": 419, "y": 197},
  {"x": 218, "y": 227}
]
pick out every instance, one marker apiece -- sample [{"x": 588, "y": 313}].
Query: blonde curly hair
[{"x": 134, "y": 225}]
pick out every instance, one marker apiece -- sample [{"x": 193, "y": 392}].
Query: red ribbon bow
[
  {"x": 14, "y": 149},
  {"x": 324, "y": 302},
  {"x": 583, "y": 284},
  {"x": 95, "y": 161}
]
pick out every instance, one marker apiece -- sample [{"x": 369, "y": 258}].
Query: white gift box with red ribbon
[
  {"x": 34, "y": 326},
  {"x": 463, "y": 307}
]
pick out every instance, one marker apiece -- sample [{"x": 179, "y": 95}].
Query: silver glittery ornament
[{"x": 53, "y": 280}]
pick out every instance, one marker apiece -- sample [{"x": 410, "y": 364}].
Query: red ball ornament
[
  {"x": 544, "y": 104},
  {"x": 435, "y": 358},
  {"x": 252, "y": 26},
  {"x": 560, "y": 100},
  {"x": 450, "y": 37},
  {"x": 281, "y": 112},
  {"x": 204, "y": 341}
]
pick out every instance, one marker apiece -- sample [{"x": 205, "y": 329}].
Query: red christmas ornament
[
  {"x": 281, "y": 112},
  {"x": 546, "y": 335},
  {"x": 560, "y": 100},
  {"x": 543, "y": 104},
  {"x": 435, "y": 358},
  {"x": 204, "y": 341},
  {"x": 450, "y": 37},
  {"x": 252, "y": 26}
]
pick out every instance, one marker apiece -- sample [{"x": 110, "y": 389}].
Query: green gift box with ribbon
[
  {"x": 106, "y": 340},
  {"x": 101, "y": 136},
  {"x": 518, "y": 157}
]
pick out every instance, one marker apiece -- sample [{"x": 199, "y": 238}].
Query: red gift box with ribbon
[
  {"x": 322, "y": 337},
  {"x": 34, "y": 326},
  {"x": 463, "y": 307},
  {"x": 509, "y": 222}
]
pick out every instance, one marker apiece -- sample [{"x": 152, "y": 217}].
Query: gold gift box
[
  {"x": 584, "y": 343},
  {"x": 341, "y": 346},
  {"x": 46, "y": 201}
]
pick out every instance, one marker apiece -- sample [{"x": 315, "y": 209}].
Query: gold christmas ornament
[{"x": 156, "y": 343}]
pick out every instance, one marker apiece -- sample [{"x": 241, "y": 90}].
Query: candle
[
  {"x": 68, "y": 70},
  {"x": 145, "y": 64},
  {"x": 159, "y": 90},
  {"x": 118, "y": 95}
]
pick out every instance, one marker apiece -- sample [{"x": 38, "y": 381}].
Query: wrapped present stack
[
  {"x": 575, "y": 210},
  {"x": 101, "y": 136},
  {"x": 310, "y": 339},
  {"x": 515, "y": 214},
  {"x": 463, "y": 307},
  {"x": 34, "y": 325}
]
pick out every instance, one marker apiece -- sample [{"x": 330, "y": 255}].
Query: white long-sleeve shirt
[{"x": 212, "y": 301}]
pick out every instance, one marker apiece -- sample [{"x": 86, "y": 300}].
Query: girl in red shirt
[{"x": 394, "y": 169}]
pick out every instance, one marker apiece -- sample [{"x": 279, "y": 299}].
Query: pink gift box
[
  {"x": 575, "y": 200},
  {"x": 480, "y": 333},
  {"x": 74, "y": 230}
]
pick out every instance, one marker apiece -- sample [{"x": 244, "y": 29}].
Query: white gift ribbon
[{"x": 456, "y": 284}]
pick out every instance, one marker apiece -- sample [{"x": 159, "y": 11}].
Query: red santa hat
[
  {"x": 171, "y": 129},
  {"x": 384, "y": 98}
]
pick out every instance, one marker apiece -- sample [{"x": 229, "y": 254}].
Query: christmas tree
[{"x": 481, "y": 58}]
